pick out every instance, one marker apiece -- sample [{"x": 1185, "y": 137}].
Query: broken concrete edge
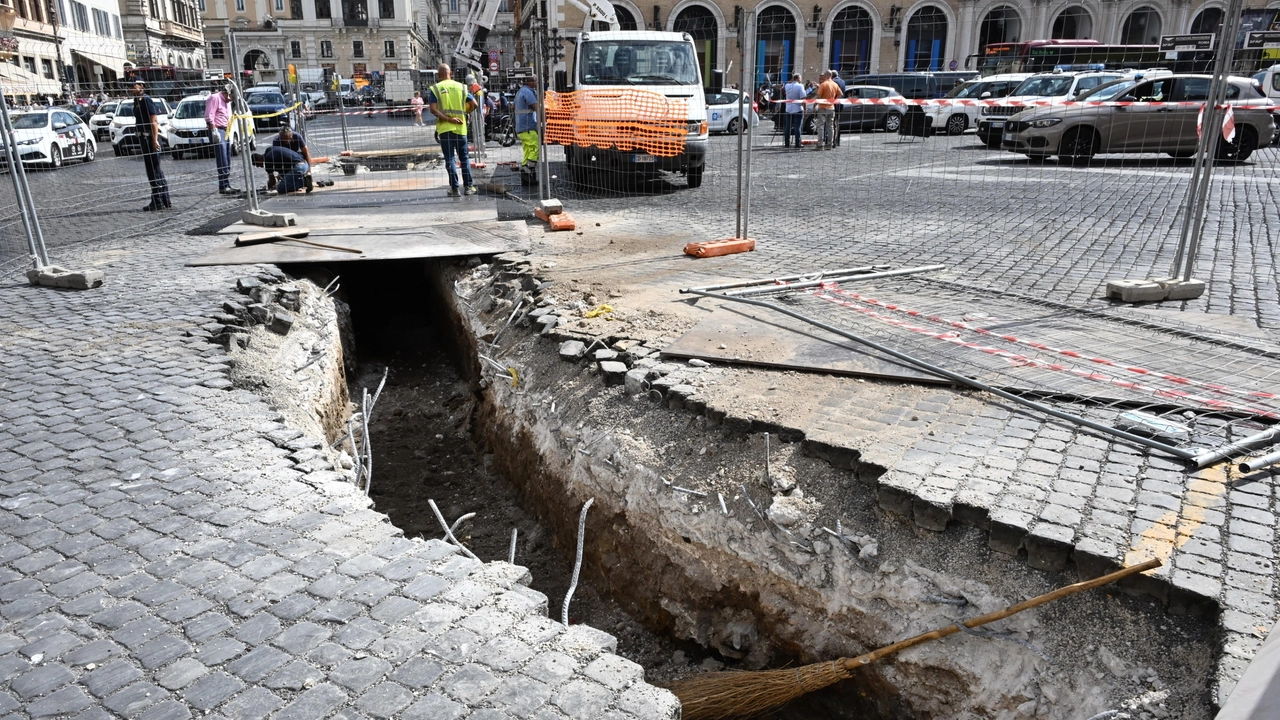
[
  {"x": 596, "y": 649},
  {"x": 60, "y": 277},
  {"x": 268, "y": 219},
  {"x": 1047, "y": 547},
  {"x": 1154, "y": 289}
]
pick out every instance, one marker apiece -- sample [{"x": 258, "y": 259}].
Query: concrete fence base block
[
  {"x": 268, "y": 219},
  {"x": 1185, "y": 289},
  {"x": 60, "y": 277},
  {"x": 1154, "y": 289}
]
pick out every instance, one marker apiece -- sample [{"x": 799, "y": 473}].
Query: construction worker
[
  {"x": 450, "y": 103},
  {"x": 527, "y": 130}
]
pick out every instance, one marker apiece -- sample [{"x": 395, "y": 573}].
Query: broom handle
[{"x": 874, "y": 655}]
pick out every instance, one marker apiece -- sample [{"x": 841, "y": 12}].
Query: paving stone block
[
  {"x": 316, "y": 702},
  {"x": 132, "y": 700},
  {"x": 111, "y": 677},
  {"x": 433, "y": 707},
  {"x": 581, "y": 700},
  {"x": 551, "y": 667},
  {"x": 257, "y": 663},
  {"x": 61, "y": 703},
  {"x": 356, "y": 675},
  {"x": 646, "y": 702},
  {"x": 41, "y": 680},
  {"x": 384, "y": 700},
  {"x": 181, "y": 674},
  {"x": 614, "y": 672}
]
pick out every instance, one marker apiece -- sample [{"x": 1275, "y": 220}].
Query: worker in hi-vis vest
[
  {"x": 450, "y": 103},
  {"x": 527, "y": 130}
]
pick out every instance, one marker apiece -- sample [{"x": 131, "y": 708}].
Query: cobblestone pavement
[
  {"x": 1049, "y": 490},
  {"x": 163, "y": 555},
  {"x": 995, "y": 218}
]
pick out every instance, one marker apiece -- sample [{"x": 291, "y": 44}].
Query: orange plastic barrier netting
[{"x": 621, "y": 118}]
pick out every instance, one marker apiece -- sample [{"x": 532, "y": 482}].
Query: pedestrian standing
[
  {"x": 147, "y": 127},
  {"x": 835, "y": 78},
  {"x": 825, "y": 110},
  {"x": 450, "y": 103},
  {"x": 527, "y": 130},
  {"x": 416, "y": 103},
  {"x": 793, "y": 115},
  {"x": 217, "y": 118}
]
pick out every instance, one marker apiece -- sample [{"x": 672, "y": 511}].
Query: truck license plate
[{"x": 643, "y": 158}]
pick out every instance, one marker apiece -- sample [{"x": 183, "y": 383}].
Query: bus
[
  {"x": 1045, "y": 55},
  {"x": 169, "y": 82}
]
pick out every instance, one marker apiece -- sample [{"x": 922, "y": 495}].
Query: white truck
[
  {"x": 664, "y": 63},
  {"x": 397, "y": 86}
]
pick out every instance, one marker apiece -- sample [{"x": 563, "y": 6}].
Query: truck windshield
[{"x": 638, "y": 62}]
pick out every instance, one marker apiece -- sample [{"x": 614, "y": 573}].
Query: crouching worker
[{"x": 291, "y": 165}]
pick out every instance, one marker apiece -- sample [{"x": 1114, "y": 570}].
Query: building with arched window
[{"x": 863, "y": 36}]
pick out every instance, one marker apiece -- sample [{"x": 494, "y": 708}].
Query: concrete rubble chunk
[
  {"x": 614, "y": 372},
  {"x": 572, "y": 349},
  {"x": 635, "y": 381},
  {"x": 247, "y": 285},
  {"x": 281, "y": 323}
]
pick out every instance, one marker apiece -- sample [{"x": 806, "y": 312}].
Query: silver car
[{"x": 1077, "y": 132}]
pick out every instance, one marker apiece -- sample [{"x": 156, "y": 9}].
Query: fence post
[{"x": 26, "y": 204}]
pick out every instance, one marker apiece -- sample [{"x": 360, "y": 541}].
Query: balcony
[
  {"x": 355, "y": 22},
  {"x": 177, "y": 30}
]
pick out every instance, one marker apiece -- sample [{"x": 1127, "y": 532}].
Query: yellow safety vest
[{"x": 451, "y": 99}]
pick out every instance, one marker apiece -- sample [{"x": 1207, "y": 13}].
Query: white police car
[
  {"x": 51, "y": 137},
  {"x": 722, "y": 111}
]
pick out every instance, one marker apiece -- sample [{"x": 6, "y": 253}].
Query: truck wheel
[{"x": 694, "y": 176}]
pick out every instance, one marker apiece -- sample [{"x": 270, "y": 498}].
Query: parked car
[
  {"x": 51, "y": 137},
  {"x": 267, "y": 109},
  {"x": 100, "y": 122},
  {"x": 955, "y": 119},
  {"x": 722, "y": 111},
  {"x": 1054, "y": 86},
  {"x": 189, "y": 133},
  {"x": 1076, "y": 133},
  {"x": 124, "y": 136},
  {"x": 868, "y": 117}
]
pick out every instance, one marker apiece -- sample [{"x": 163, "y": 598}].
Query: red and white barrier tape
[
  {"x": 370, "y": 111},
  {"x": 1047, "y": 102},
  {"x": 1019, "y": 360}
]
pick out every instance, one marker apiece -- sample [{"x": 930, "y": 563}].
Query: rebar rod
[
  {"x": 742, "y": 81},
  {"x": 746, "y": 88},
  {"x": 342, "y": 115},
  {"x": 447, "y": 532},
  {"x": 814, "y": 283},
  {"x": 511, "y": 555},
  {"x": 577, "y": 563},
  {"x": 962, "y": 379},
  {"x": 789, "y": 278}
]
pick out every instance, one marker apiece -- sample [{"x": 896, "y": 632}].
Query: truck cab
[{"x": 662, "y": 63}]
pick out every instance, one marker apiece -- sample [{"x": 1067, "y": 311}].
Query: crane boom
[
  {"x": 480, "y": 20},
  {"x": 598, "y": 11}
]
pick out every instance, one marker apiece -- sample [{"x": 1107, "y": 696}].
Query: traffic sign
[
  {"x": 1262, "y": 40},
  {"x": 954, "y": 64},
  {"x": 1181, "y": 43},
  {"x": 493, "y": 67}
]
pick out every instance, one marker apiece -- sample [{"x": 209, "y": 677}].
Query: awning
[
  {"x": 17, "y": 81},
  {"x": 115, "y": 64}
]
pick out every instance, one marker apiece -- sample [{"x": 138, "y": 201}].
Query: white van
[
  {"x": 955, "y": 119},
  {"x": 665, "y": 63}
]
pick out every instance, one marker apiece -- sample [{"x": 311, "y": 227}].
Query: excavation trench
[{"x": 523, "y": 439}]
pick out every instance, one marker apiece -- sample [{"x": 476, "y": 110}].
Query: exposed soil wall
[{"x": 762, "y": 596}]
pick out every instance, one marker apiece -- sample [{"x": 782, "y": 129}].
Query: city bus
[
  {"x": 169, "y": 82},
  {"x": 1045, "y": 55}
]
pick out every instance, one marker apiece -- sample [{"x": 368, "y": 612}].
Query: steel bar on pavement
[
  {"x": 745, "y": 89},
  {"x": 342, "y": 115},
  {"x": 814, "y": 283},
  {"x": 17, "y": 173},
  {"x": 961, "y": 379},
  {"x": 1223, "y": 452},
  {"x": 789, "y": 278},
  {"x": 1260, "y": 463}
]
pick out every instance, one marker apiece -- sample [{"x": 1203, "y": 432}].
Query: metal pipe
[
  {"x": 1225, "y": 451},
  {"x": 789, "y": 278},
  {"x": 342, "y": 116},
  {"x": 1222, "y": 71},
  {"x": 1197, "y": 191},
  {"x": 815, "y": 283},
  {"x": 15, "y": 166},
  {"x": 746, "y": 196},
  {"x": 742, "y": 80},
  {"x": 1259, "y": 463},
  {"x": 961, "y": 379}
]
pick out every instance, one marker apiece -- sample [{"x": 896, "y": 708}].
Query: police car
[
  {"x": 722, "y": 111},
  {"x": 51, "y": 137}
]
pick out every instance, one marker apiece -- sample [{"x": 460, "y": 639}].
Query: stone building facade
[{"x": 860, "y": 36}]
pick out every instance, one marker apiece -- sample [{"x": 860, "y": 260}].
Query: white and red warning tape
[
  {"x": 1257, "y": 104},
  {"x": 1020, "y": 360}
]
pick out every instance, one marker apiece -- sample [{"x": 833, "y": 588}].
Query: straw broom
[{"x": 733, "y": 694}]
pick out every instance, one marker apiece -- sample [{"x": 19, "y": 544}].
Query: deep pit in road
[{"x": 430, "y": 441}]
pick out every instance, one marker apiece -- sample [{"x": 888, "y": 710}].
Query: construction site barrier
[{"x": 625, "y": 119}]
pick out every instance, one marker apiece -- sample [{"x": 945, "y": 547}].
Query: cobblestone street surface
[{"x": 163, "y": 556}]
